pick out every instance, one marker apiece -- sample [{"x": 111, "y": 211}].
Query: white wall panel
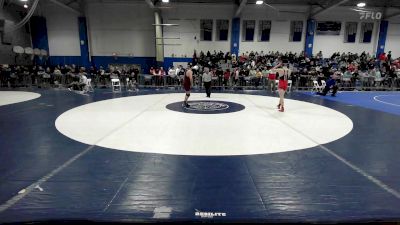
[
  {"x": 62, "y": 31},
  {"x": 393, "y": 39},
  {"x": 121, "y": 28},
  {"x": 329, "y": 44},
  {"x": 188, "y": 17}
]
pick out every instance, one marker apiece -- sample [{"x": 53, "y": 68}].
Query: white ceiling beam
[
  {"x": 241, "y": 7},
  {"x": 150, "y": 3},
  {"x": 392, "y": 15},
  {"x": 328, "y": 7},
  {"x": 62, "y": 5}
]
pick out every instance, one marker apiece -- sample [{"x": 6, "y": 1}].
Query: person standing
[
  {"x": 273, "y": 75},
  {"x": 282, "y": 86},
  {"x": 187, "y": 85},
  {"x": 207, "y": 81},
  {"x": 171, "y": 75},
  {"x": 236, "y": 75}
]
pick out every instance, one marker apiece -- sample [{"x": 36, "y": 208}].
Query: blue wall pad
[
  {"x": 235, "y": 36},
  {"x": 383, "y": 29},
  {"x": 83, "y": 37},
  {"x": 309, "y": 43},
  {"x": 39, "y": 36}
]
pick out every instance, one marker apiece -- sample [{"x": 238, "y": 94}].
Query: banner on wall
[{"x": 328, "y": 27}]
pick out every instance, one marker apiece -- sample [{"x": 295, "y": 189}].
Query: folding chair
[
  {"x": 88, "y": 86},
  {"x": 378, "y": 81},
  {"x": 290, "y": 82},
  {"x": 316, "y": 87},
  {"x": 323, "y": 84},
  {"x": 346, "y": 81},
  {"x": 116, "y": 85}
]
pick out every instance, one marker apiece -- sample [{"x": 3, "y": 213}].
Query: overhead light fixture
[
  {"x": 165, "y": 24},
  {"x": 361, "y": 4},
  {"x": 24, "y": 0},
  {"x": 25, "y": 6},
  {"x": 165, "y": 1},
  {"x": 259, "y": 2}
]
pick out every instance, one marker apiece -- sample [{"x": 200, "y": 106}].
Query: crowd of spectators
[
  {"x": 226, "y": 70},
  {"x": 70, "y": 76},
  {"x": 254, "y": 68}
]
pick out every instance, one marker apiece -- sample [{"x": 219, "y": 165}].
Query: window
[
  {"x": 350, "y": 32},
  {"x": 366, "y": 32},
  {"x": 296, "y": 31},
  {"x": 222, "y": 30},
  {"x": 206, "y": 28},
  {"x": 248, "y": 30},
  {"x": 264, "y": 30}
]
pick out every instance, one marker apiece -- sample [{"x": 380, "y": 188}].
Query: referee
[{"x": 207, "y": 81}]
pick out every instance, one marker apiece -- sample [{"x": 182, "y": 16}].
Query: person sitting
[
  {"x": 258, "y": 78},
  {"x": 227, "y": 75},
  {"x": 152, "y": 71},
  {"x": 347, "y": 74},
  {"x": 330, "y": 84},
  {"x": 57, "y": 76},
  {"x": 79, "y": 82},
  {"x": 378, "y": 79},
  {"x": 132, "y": 85},
  {"x": 172, "y": 72},
  {"x": 83, "y": 80},
  {"x": 171, "y": 75}
]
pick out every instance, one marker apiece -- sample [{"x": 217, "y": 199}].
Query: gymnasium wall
[
  {"x": 393, "y": 39},
  {"x": 188, "y": 18},
  {"x": 122, "y": 28},
  {"x": 19, "y": 37},
  {"x": 280, "y": 28},
  {"x": 62, "y": 31},
  {"x": 329, "y": 44},
  {"x": 126, "y": 29}
]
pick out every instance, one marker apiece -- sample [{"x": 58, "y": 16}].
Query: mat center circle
[{"x": 206, "y": 107}]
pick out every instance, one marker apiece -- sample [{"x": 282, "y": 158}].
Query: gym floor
[{"x": 129, "y": 157}]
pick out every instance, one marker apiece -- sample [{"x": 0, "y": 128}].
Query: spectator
[{"x": 227, "y": 75}]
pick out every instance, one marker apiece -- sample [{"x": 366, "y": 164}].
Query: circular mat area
[
  {"x": 11, "y": 97},
  {"x": 145, "y": 124}
]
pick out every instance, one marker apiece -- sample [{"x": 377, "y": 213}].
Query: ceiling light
[
  {"x": 361, "y": 4},
  {"x": 165, "y": 1},
  {"x": 24, "y": 0},
  {"x": 259, "y": 2},
  {"x": 25, "y": 6}
]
